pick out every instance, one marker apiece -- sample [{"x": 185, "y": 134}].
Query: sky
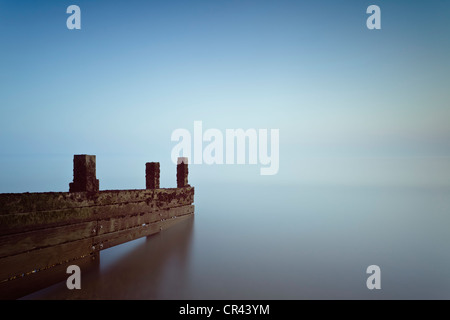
[{"x": 353, "y": 106}]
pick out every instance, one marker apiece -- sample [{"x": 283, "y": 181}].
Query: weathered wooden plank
[
  {"x": 11, "y": 203},
  {"x": 115, "y": 238},
  {"x": 123, "y": 209},
  {"x": 22, "y": 222},
  {"x": 116, "y": 224},
  {"x": 41, "y": 201},
  {"x": 164, "y": 198},
  {"x": 39, "y": 259},
  {"x": 180, "y": 211},
  {"x": 22, "y": 286},
  {"x": 132, "y": 208},
  {"x": 174, "y": 220},
  {"x": 27, "y": 241},
  {"x": 109, "y": 240}
]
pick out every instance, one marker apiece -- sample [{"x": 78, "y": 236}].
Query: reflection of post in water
[{"x": 43, "y": 233}]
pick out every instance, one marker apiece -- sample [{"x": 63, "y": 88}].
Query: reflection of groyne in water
[
  {"x": 155, "y": 268},
  {"x": 43, "y": 233}
]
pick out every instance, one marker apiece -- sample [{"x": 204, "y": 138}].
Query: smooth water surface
[{"x": 259, "y": 242}]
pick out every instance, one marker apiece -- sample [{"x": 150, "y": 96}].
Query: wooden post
[
  {"x": 84, "y": 176},
  {"x": 152, "y": 175},
  {"x": 182, "y": 172}
]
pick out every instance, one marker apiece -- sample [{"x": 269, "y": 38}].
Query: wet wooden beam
[
  {"x": 23, "y": 222},
  {"x": 120, "y": 223},
  {"x": 36, "y": 260},
  {"x": 11, "y": 203},
  {"x": 112, "y": 239},
  {"x": 28, "y": 241}
]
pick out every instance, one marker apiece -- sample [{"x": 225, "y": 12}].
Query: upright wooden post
[
  {"x": 182, "y": 172},
  {"x": 84, "y": 174},
  {"x": 152, "y": 175}
]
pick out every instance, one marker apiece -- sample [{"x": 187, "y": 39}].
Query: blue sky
[{"x": 353, "y": 106}]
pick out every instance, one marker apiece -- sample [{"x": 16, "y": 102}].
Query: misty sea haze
[{"x": 285, "y": 242}]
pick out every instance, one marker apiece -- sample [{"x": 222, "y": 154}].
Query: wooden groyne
[{"x": 43, "y": 233}]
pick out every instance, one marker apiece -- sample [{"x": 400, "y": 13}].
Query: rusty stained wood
[
  {"x": 112, "y": 239},
  {"x": 39, "y": 259},
  {"x": 28, "y": 241},
  {"x": 56, "y": 243},
  {"x": 21, "y": 286},
  {"x": 13, "y": 203},
  {"x": 120, "y": 223},
  {"x": 35, "y": 237},
  {"x": 22, "y": 222},
  {"x": 128, "y": 209},
  {"x": 164, "y": 198}
]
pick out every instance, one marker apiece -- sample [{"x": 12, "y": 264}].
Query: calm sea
[{"x": 261, "y": 242}]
